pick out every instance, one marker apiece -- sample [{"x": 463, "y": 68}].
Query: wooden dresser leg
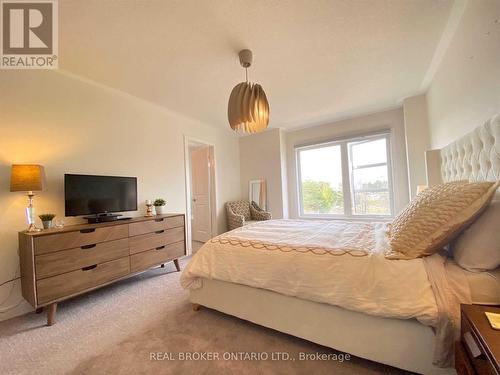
[
  {"x": 51, "y": 313},
  {"x": 196, "y": 307},
  {"x": 176, "y": 262}
]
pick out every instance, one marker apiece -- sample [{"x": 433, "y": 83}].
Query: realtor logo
[{"x": 28, "y": 34}]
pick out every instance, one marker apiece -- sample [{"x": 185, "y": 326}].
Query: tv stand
[
  {"x": 60, "y": 263},
  {"x": 102, "y": 218}
]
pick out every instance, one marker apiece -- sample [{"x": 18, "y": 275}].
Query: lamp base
[
  {"x": 33, "y": 228},
  {"x": 30, "y": 215}
]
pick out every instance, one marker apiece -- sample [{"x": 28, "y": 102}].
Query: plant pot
[
  {"x": 159, "y": 210},
  {"x": 47, "y": 224}
]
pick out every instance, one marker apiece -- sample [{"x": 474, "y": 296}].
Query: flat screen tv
[{"x": 99, "y": 195}]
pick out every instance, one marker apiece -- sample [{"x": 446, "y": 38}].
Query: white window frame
[{"x": 346, "y": 176}]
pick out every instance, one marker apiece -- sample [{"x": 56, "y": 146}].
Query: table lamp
[
  {"x": 421, "y": 188},
  {"x": 28, "y": 178}
]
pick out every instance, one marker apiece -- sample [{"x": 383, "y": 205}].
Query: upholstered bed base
[{"x": 406, "y": 344}]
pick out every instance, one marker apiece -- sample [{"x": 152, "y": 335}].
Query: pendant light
[{"x": 248, "y": 109}]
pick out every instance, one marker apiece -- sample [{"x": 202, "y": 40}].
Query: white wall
[
  {"x": 284, "y": 174},
  {"x": 465, "y": 90},
  {"x": 261, "y": 158},
  {"x": 392, "y": 119},
  {"x": 71, "y": 125},
  {"x": 417, "y": 140}
]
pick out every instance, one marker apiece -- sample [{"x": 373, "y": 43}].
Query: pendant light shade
[{"x": 248, "y": 109}]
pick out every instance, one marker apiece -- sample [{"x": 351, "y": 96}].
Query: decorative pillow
[
  {"x": 435, "y": 217},
  {"x": 478, "y": 247}
]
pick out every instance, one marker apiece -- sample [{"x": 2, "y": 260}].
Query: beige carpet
[{"x": 114, "y": 330}]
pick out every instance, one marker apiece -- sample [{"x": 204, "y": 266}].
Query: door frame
[{"x": 188, "y": 140}]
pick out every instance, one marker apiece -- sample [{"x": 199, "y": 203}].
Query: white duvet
[{"x": 335, "y": 262}]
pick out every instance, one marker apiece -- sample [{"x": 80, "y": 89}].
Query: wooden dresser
[
  {"x": 58, "y": 264},
  {"x": 478, "y": 351}
]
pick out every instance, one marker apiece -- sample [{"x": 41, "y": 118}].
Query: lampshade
[
  {"x": 421, "y": 188},
  {"x": 248, "y": 109},
  {"x": 27, "y": 177}
]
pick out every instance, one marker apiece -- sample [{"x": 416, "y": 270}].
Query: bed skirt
[{"x": 405, "y": 344}]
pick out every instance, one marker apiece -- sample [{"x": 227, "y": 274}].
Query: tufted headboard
[{"x": 474, "y": 157}]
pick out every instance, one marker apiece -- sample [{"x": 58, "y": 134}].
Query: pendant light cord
[{"x": 246, "y": 74}]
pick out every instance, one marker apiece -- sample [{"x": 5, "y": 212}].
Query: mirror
[{"x": 257, "y": 193}]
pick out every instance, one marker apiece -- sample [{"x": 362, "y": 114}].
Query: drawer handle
[
  {"x": 158, "y": 220},
  {"x": 159, "y": 231},
  {"x": 160, "y": 248},
  {"x": 87, "y": 230},
  {"x": 472, "y": 345},
  {"x": 88, "y": 268},
  {"x": 88, "y": 246}
]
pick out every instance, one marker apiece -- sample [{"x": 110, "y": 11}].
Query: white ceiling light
[{"x": 248, "y": 109}]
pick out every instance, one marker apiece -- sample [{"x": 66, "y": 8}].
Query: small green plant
[
  {"x": 47, "y": 217},
  {"x": 159, "y": 202}
]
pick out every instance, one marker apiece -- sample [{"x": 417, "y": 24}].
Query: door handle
[{"x": 89, "y": 267}]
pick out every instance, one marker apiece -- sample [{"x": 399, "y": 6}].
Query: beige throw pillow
[
  {"x": 478, "y": 247},
  {"x": 435, "y": 217}
]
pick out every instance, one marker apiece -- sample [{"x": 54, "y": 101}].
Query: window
[
  {"x": 321, "y": 187},
  {"x": 347, "y": 178}
]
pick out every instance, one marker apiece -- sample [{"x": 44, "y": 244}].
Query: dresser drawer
[
  {"x": 74, "y": 259},
  {"x": 474, "y": 349},
  {"x": 70, "y": 283},
  {"x": 147, "y": 259},
  {"x": 155, "y": 225},
  {"x": 69, "y": 240},
  {"x": 153, "y": 240}
]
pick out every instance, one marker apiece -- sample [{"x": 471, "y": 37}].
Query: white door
[{"x": 200, "y": 194}]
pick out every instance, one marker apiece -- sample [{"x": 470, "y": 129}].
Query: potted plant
[
  {"x": 47, "y": 220},
  {"x": 159, "y": 204}
]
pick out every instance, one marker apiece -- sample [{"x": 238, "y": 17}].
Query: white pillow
[{"x": 478, "y": 247}]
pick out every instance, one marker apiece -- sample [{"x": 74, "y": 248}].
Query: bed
[{"x": 228, "y": 279}]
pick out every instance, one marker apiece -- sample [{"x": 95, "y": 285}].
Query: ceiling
[{"x": 317, "y": 60}]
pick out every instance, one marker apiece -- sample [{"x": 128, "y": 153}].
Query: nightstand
[{"x": 478, "y": 351}]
